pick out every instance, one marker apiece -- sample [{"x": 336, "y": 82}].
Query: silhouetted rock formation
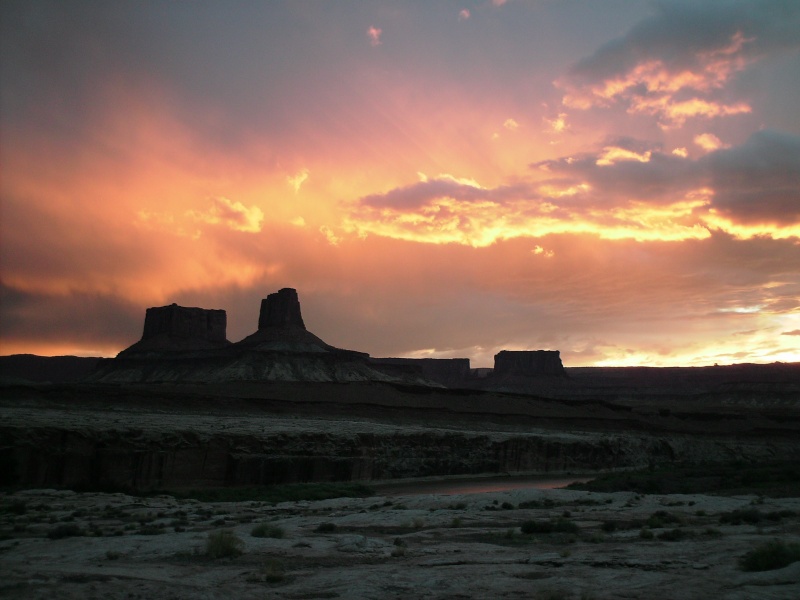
[
  {"x": 281, "y": 328},
  {"x": 179, "y": 328},
  {"x": 281, "y": 309},
  {"x": 529, "y": 363}
]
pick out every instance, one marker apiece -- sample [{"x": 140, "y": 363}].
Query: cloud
[
  {"x": 708, "y": 142},
  {"x": 464, "y": 14},
  {"x": 232, "y": 214},
  {"x": 297, "y": 179},
  {"x": 795, "y": 332},
  {"x": 511, "y": 124},
  {"x": 759, "y": 181},
  {"x": 442, "y": 187},
  {"x": 748, "y": 190},
  {"x": 676, "y": 64},
  {"x": 374, "y": 35},
  {"x": 627, "y": 189},
  {"x": 557, "y": 124}
]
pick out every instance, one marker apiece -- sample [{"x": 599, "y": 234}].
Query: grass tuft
[{"x": 223, "y": 543}]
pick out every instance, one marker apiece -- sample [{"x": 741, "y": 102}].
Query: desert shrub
[
  {"x": 646, "y": 534},
  {"x": 274, "y": 571},
  {"x": 267, "y": 530},
  {"x": 223, "y": 543},
  {"x": 507, "y": 506},
  {"x": 673, "y": 535},
  {"x": 751, "y": 516},
  {"x": 545, "y": 503},
  {"x": 771, "y": 555},
  {"x": 65, "y": 530},
  {"x": 274, "y": 494},
  {"x": 609, "y": 526},
  {"x": 326, "y": 528},
  {"x": 456, "y": 522},
  {"x": 18, "y": 507},
  {"x": 661, "y": 518},
  {"x": 150, "y": 529},
  {"x": 553, "y": 594},
  {"x": 558, "y": 526}
]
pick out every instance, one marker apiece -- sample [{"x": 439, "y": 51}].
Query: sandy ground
[{"x": 398, "y": 546}]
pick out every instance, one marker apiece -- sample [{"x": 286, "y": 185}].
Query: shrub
[
  {"x": 646, "y": 534},
  {"x": 609, "y": 526},
  {"x": 274, "y": 572},
  {"x": 65, "y": 530},
  {"x": 266, "y": 530},
  {"x": 673, "y": 535},
  {"x": 752, "y": 516},
  {"x": 507, "y": 506},
  {"x": 771, "y": 555},
  {"x": 326, "y": 528},
  {"x": 661, "y": 518},
  {"x": 223, "y": 543},
  {"x": 18, "y": 507},
  {"x": 559, "y": 526}
]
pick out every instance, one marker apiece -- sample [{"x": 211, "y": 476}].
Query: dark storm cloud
[
  {"x": 760, "y": 180},
  {"x": 90, "y": 320},
  {"x": 681, "y": 30}
]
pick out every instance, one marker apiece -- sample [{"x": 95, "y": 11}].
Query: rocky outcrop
[
  {"x": 149, "y": 460},
  {"x": 281, "y": 309},
  {"x": 529, "y": 363},
  {"x": 281, "y": 329},
  {"x": 450, "y": 372},
  {"x": 180, "y": 328}
]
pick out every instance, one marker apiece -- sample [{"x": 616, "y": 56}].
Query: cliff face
[
  {"x": 141, "y": 460},
  {"x": 180, "y": 321},
  {"x": 281, "y": 309},
  {"x": 180, "y": 328},
  {"x": 529, "y": 363},
  {"x": 450, "y": 372}
]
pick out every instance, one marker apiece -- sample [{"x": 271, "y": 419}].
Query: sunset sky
[{"x": 617, "y": 180}]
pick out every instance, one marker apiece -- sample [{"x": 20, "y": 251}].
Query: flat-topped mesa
[
  {"x": 173, "y": 327},
  {"x": 281, "y": 309},
  {"x": 529, "y": 363}
]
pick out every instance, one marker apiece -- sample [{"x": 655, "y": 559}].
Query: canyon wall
[{"x": 147, "y": 460}]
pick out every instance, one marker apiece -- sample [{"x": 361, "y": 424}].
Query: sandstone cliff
[{"x": 179, "y": 328}]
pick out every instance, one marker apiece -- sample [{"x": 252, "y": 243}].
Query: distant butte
[
  {"x": 175, "y": 328},
  {"x": 281, "y": 327},
  {"x": 189, "y": 344}
]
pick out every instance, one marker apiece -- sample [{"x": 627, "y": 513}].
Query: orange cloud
[
  {"x": 708, "y": 142},
  {"x": 231, "y": 214}
]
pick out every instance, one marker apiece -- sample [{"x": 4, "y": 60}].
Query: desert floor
[{"x": 617, "y": 545}]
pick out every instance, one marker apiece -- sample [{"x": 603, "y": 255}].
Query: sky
[{"x": 616, "y": 180}]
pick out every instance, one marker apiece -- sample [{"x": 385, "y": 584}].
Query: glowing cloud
[
  {"x": 298, "y": 179},
  {"x": 464, "y": 14},
  {"x": 511, "y": 124},
  {"x": 613, "y": 154},
  {"x": 233, "y": 215},
  {"x": 374, "y": 35},
  {"x": 557, "y": 124},
  {"x": 708, "y": 142}
]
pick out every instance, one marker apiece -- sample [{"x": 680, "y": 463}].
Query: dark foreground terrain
[{"x": 712, "y": 512}]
